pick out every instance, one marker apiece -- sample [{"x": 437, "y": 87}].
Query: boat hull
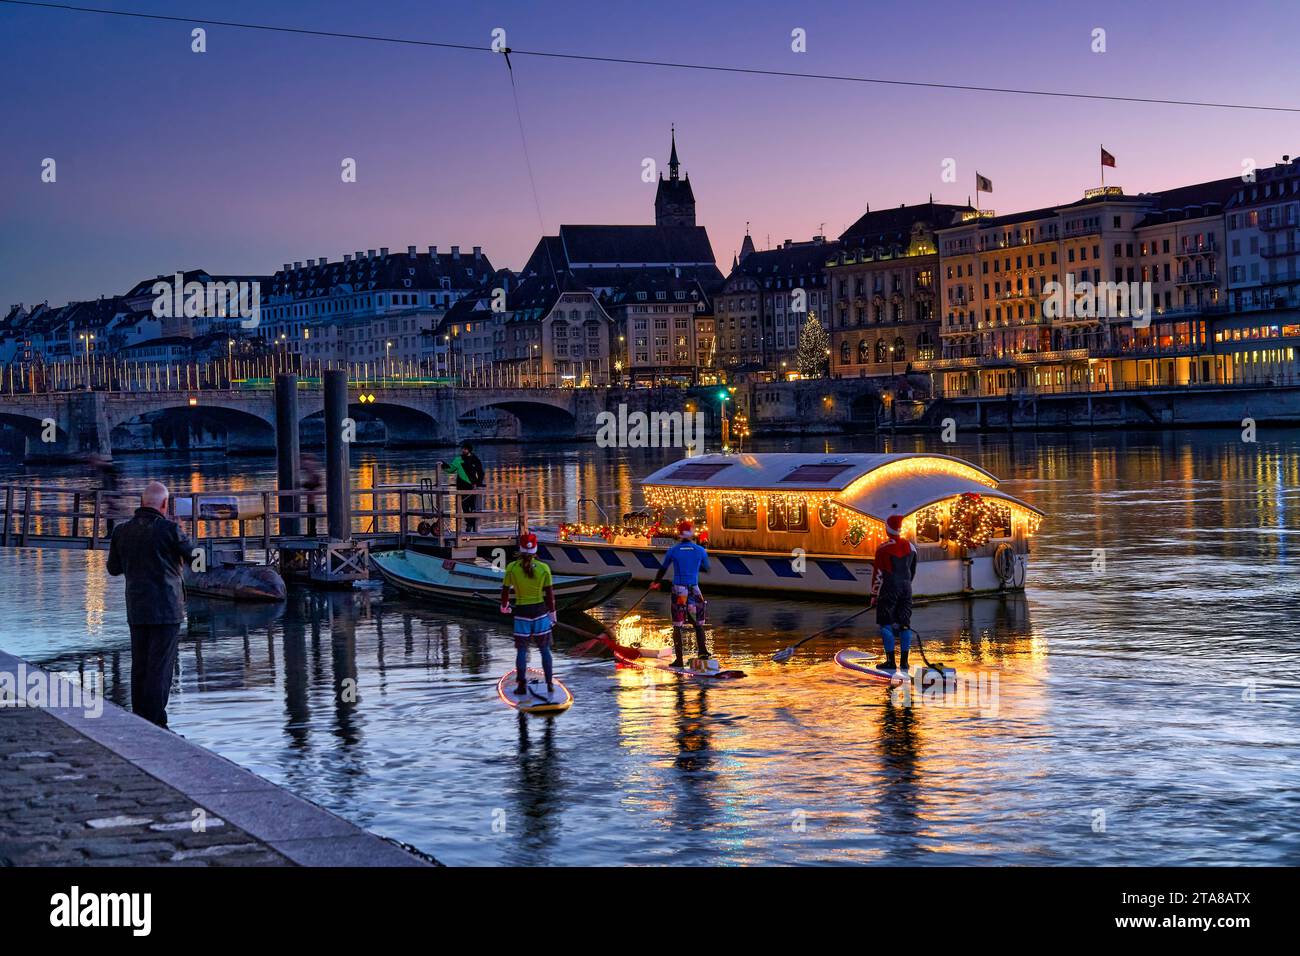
[
  {"x": 812, "y": 576},
  {"x": 237, "y": 582},
  {"x": 478, "y": 589}
]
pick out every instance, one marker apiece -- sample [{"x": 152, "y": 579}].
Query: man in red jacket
[{"x": 895, "y": 566}]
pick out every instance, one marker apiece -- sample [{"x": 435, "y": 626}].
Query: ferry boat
[{"x": 808, "y": 524}]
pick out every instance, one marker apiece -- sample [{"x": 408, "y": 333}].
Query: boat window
[
  {"x": 929, "y": 525},
  {"x": 700, "y": 471},
  {"x": 816, "y": 472},
  {"x": 827, "y": 513},
  {"x": 740, "y": 513},
  {"x": 786, "y": 515}
]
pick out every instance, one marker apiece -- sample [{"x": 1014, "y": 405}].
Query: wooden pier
[{"x": 285, "y": 526}]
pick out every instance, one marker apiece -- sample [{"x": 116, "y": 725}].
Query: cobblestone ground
[{"x": 66, "y": 801}]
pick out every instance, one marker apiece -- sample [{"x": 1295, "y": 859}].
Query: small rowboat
[{"x": 478, "y": 586}]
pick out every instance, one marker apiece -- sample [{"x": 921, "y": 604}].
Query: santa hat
[
  {"x": 528, "y": 544},
  {"x": 894, "y": 525},
  {"x": 685, "y": 529}
]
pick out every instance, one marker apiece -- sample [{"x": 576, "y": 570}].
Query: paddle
[
  {"x": 943, "y": 669},
  {"x": 634, "y": 604},
  {"x": 785, "y": 654},
  {"x": 620, "y": 650}
]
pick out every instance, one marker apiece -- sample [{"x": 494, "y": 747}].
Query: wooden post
[
  {"x": 9, "y": 512},
  {"x": 94, "y": 527},
  {"x": 286, "y": 448},
  {"x": 401, "y": 518},
  {"x": 266, "y": 523},
  {"x": 27, "y": 512},
  {"x": 76, "y": 512},
  {"x": 338, "y": 504}
]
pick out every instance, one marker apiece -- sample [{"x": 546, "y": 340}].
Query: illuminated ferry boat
[{"x": 810, "y": 524}]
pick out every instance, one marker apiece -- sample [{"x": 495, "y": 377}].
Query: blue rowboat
[{"x": 478, "y": 586}]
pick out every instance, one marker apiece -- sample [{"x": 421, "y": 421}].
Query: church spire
[{"x": 673, "y": 164}]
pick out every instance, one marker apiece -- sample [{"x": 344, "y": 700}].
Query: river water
[{"x": 1138, "y": 704}]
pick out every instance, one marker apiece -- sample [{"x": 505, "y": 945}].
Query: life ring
[{"x": 1004, "y": 563}]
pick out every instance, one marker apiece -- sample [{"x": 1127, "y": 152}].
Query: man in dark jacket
[{"x": 150, "y": 550}]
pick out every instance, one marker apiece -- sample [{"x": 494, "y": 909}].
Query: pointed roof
[{"x": 672, "y": 158}]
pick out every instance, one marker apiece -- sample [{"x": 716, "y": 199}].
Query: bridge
[{"x": 72, "y": 425}]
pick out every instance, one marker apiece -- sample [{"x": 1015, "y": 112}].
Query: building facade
[
  {"x": 884, "y": 290},
  {"x": 764, "y": 302},
  {"x": 370, "y": 310}
]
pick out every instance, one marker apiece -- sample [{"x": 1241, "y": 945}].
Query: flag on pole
[
  {"x": 1107, "y": 159},
  {"x": 985, "y": 185}
]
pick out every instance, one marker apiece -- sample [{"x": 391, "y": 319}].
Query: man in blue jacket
[{"x": 687, "y": 559}]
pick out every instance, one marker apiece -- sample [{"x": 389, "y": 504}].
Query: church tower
[{"x": 674, "y": 200}]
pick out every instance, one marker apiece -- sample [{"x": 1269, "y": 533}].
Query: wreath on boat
[{"x": 973, "y": 520}]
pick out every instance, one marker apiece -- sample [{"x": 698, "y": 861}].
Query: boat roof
[{"x": 876, "y": 485}]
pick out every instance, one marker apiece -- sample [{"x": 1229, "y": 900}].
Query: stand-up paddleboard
[
  {"x": 864, "y": 663},
  {"x": 535, "y": 700},
  {"x": 665, "y": 664}
]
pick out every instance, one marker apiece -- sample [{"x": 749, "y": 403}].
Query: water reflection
[{"x": 1104, "y": 686}]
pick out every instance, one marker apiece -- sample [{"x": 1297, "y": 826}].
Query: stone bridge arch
[
  {"x": 176, "y": 421},
  {"x": 405, "y": 425},
  {"x": 539, "y": 417},
  {"x": 31, "y": 425}
]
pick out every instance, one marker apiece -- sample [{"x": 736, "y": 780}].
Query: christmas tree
[{"x": 813, "y": 357}]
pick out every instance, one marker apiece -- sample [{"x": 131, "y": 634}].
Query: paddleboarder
[
  {"x": 534, "y": 610},
  {"x": 687, "y": 559},
  {"x": 891, "y": 585}
]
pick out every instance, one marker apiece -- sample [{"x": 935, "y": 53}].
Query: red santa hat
[
  {"x": 528, "y": 544},
  {"x": 894, "y": 525},
  {"x": 685, "y": 529}
]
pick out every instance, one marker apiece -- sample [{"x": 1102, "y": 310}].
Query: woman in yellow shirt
[{"x": 534, "y": 610}]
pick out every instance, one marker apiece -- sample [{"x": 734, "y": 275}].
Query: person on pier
[
  {"x": 687, "y": 559},
  {"x": 149, "y": 550},
  {"x": 468, "y": 471},
  {"x": 534, "y": 611},
  {"x": 891, "y": 588}
]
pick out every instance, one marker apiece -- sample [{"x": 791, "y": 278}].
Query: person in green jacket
[{"x": 468, "y": 471}]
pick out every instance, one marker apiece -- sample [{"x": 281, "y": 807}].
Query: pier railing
[{"x": 39, "y": 515}]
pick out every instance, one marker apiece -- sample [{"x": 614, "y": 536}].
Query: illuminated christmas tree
[{"x": 813, "y": 357}]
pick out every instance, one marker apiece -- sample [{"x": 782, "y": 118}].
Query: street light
[{"x": 723, "y": 396}]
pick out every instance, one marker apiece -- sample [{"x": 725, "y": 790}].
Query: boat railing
[{"x": 43, "y": 515}]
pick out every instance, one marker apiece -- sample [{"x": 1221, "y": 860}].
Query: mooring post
[
  {"x": 286, "y": 448},
  {"x": 338, "y": 503}
]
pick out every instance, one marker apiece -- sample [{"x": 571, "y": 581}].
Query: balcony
[
  {"x": 1197, "y": 278},
  {"x": 1273, "y": 225},
  {"x": 1201, "y": 249},
  {"x": 1279, "y": 252}
]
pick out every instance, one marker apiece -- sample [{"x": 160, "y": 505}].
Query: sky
[{"x": 230, "y": 160}]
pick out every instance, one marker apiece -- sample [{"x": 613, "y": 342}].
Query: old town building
[
  {"x": 884, "y": 288},
  {"x": 1026, "y": 299},
  {"x": 765, "y": 301}
]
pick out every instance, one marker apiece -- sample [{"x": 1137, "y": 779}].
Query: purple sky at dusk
[{"x": 229, "y": 160}]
